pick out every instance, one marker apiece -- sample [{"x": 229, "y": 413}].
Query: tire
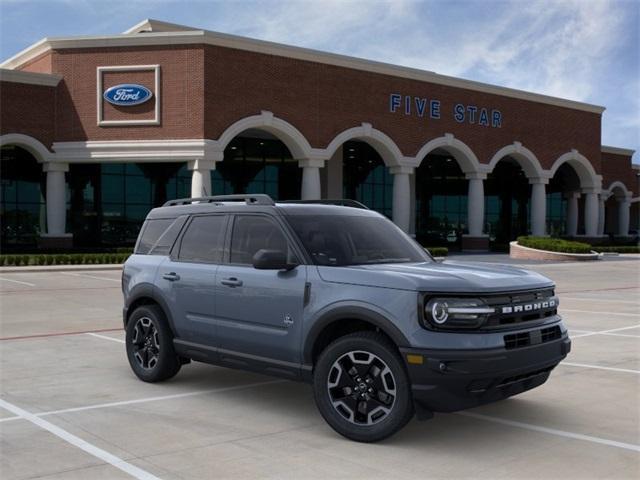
[
  {"x": 149, "y": 343},
  {"x": 373, "y": 401}
]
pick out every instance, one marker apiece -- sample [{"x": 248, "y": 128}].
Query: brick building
[{"x": 95, "y": 131}]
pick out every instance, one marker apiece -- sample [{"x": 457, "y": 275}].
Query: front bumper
[{"x": 451, "y": 380}]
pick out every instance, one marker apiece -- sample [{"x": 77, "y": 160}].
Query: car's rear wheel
[
  {"x": 149, "y": 343},
  {"x": 361, "y": 387}
]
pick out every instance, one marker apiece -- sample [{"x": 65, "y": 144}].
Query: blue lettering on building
[{"x": 423, "y": 107}]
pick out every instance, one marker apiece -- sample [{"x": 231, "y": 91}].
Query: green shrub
[
  {"x": 617, "y": 249},
  {"x": 554, "y": 245}
]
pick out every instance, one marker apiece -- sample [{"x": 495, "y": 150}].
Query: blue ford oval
[{"x": 127, "y": 94}]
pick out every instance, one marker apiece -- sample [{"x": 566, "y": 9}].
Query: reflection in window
[
  {"x": 257, "y": 165},
  {"x": 366, "y": 178},
  {"x": 22, "y": 207},
  {"x": 441, "y": 201}
]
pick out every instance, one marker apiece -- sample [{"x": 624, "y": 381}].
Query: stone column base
[
  {"x": 475, "y": 244},
  {"x": 47, "y": 241}
]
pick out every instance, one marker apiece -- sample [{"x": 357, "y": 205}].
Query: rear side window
[
  {"x": 150, "y": 234},
  {"x": 204, "y": 239},
  {"x": 168, "y": 238},
  {"x": 253, "y": 233}
]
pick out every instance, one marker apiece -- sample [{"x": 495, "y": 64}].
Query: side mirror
[{"x": 271, "y": 260}]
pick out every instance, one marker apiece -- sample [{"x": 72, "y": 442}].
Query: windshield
[{"x": 340, "y": 240}]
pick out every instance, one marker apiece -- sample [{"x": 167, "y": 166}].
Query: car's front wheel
[
  {"x": 361, "y": 387},
  {"x": 149, "y": 343}
]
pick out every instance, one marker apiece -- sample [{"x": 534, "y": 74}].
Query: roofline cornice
[
  {"x": 288, "y": 51},
  {"x": 617, "y": 151},
  {"x": 31, "y": 78}
]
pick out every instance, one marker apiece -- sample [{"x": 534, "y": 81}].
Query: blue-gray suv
[{"x": 334, "y": 294}]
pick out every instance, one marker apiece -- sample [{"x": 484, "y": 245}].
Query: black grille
[
  {"x": 516, "y": 299},
  {"x": 534, "y": 337},
  {"x": 525, "y": 376}
]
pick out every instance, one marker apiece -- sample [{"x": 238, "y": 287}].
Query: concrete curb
[
  {"x": 526, "y": 253},
  {"x": 59, "y": 268}
]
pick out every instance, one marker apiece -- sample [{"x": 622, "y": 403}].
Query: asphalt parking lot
[{"x": 71, "y": 407}]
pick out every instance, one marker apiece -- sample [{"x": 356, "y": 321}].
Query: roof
[
  {"x": 240, "y": 207},
  {"x": 155, "y": 32}
]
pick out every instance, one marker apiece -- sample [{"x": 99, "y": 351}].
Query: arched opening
[
  {"x": 22, "y": 208},
  {"x": 507, "y": 202},
  {"x": 257, "y": 161},
  {"x": 564, "y": 183},
  {"x": 365, "y": 177},
  {"x": 618, "y": 198},
  {"x": 441, "y": 200}
]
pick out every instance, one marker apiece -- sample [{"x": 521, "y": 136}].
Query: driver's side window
[{"x": 252, "y": 233}]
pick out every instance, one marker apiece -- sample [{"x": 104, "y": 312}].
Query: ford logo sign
[{"x": 127, "y": 94}]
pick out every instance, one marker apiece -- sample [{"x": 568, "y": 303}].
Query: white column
[
  {"x": 601, "y": 213},
  {"x": 201, "y": 177},
  {"x": 590, "y": 213},
  {"x": 56, "y": 199},
  {"x": 624, "y": 205},
  {"x": 401, "y": 196},
  {"x": 538, "y": 206},
  {"x": 412, "y": 205},
  {"x": 572, "y": 213},
  {"x": 475, "y": 207},
  {"x": 310, "y": 179}
]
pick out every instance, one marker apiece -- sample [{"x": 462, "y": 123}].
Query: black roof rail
[
  {"x": 249, "y": 199},
  {"x": 341, "y": 202}
]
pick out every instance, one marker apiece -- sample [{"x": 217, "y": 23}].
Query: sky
[{"x": 584, "y": 50}]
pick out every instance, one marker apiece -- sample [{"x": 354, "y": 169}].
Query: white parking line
[
  {"x": 572, "y": 330},
  {"x": 592, "y": 299},
  {"x": 631, "y": 327},
  {"x": 148, "y": 399},
  {"x": 553, "y": 431},
  {"x": 637, "y": 315},
  {"x": 91, "y": 276},
  {"x": 79, "y": 443},
  {"x": 18, "y": 281},
  {"x": 598, "y": 367},
  {"x": 104, "y": 337}
]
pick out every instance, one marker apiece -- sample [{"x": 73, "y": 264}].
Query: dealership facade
[{"x": 96, "y": 131}]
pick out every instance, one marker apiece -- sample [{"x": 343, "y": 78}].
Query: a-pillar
[
  {"x": 56, "y": 236},
  {"x": 538, "y": 206},
  {"x": 602, "y": 201},
  {"x": 311, "y": 186},
  {"x": 590, "y": 213},
  {"x": 572, "y": 213},
  {"x": 401, "y": 196},
  {"x": 201, "y": 177},
  {"x": 624, "y": 205},
  {"x": 475, "y": 240}
]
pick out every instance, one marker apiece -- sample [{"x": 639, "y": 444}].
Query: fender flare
[
  {"x": 146, "y": 290},
  {"x": 350, "y": 312}
]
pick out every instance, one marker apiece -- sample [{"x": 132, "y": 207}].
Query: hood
[{"x": 448, "y": 276}]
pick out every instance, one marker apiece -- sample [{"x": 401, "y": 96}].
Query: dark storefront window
[
  {"x": 257, "y": 165},
  {"x": 22, "y": 211},
  {"x": 108, "y": 203},
  {"x": 507, "y": 206},
  {"x": 441, "y": 201},
  {"x": 556, "y": 214},
  {"x": 366, "y": 178}
]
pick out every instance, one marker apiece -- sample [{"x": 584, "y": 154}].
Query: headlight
[{"x": 456, "y": 312}]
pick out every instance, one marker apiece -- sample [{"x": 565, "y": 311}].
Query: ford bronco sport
[{"x": 335, "y": 294}]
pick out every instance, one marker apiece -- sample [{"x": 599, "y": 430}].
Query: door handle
[
  {"x": 231, "y": 282},
  {"x": 171, "y": 276}
]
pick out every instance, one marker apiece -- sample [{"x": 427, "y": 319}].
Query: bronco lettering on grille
[{"x": 529, "y": 307}]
